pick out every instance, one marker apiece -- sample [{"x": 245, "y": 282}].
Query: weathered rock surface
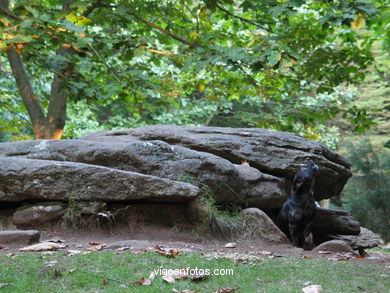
[
  {"x": 37, "y": 214},
  {"x": 19, "y": 236},
  {"x": 272, "y": 152},
  {"x": 337, "y": 246},
  {"x": 366, "y": 239},
  {"x": 268, "y": 229},
  {"x": 23, "y": 179},
  {"x": 331, "y": 222},
  {"x": 206, "y": 154},
  {"x": 228, "y": 181}
]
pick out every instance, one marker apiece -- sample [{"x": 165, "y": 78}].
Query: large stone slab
[
  {"x": 366, "y": 239},
  {"x": 200, "y": 155},
  {"x": 19, "y": 236},
  {"x": 29, "y": 216},
  {"x": 26, "y": 179},
  {"x": 272, "y": 152},
  {"x": 331, "y": 222},
  {"x": 229, "y": 182}
]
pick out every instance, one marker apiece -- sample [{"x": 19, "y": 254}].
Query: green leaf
[{"x": 273, "y": 58}]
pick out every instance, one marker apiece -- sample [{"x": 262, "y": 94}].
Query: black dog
[{"x": 298, "y": 211}]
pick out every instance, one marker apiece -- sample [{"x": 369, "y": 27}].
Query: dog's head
[{"x": 304, "y": 179}]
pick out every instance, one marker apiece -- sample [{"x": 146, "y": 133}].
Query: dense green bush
[{"x": 367, "y": 193}]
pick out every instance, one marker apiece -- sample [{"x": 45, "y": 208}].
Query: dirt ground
[{"x": 120, "y": 238}]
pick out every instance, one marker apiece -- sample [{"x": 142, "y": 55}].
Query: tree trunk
[{"x": 48, "y": 126}]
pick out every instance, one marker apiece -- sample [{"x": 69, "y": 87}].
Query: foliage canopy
[{"x": 146, "y": 60}]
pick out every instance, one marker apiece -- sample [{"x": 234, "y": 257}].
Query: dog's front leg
[
  {"x": 295, "y": 237},
  {"x": 307, "y": 230},
  {"x": 308, "y": 243}
]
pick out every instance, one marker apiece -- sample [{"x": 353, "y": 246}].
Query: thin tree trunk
[
  {"x": 45, "y": 127},
  {"x": 56, "y": 114}
]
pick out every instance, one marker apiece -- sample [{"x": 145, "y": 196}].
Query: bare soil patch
[{"x": 142, "y": 237}]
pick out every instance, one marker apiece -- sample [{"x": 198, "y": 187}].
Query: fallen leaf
[
  {"x": 168, "y": 278},
  {"x": 97, "y": 247},
  {"x": 104, "y": 282},
  {"x": 265, "y": 252},
  {"x": 168, "y": 253},
  {"x": 1, "y": 246},
  {"x": 342, "y": 259},
  {"x": 175, "y": 290},
  {"x": 44, "y": 246},
  {"x": 306, "y": 257},
  {"x": 164, "y": 253},
  {"x": 312, "y": 289},
  {"x": 231, "y": 245},
  {"x": 227, "y": 290},
  {"x": 143, "y": 281},
  {"x": 174, "y": 252},
  {"x": 324, "y": 252},
  {"x": 359, "y": 256},
  {"x": 11, "y": 255},
  {"x": 189, "y": 291},
  {"x": 94, "y": 243}
]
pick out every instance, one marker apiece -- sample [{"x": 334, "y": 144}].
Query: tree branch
[
  {"x": 26, "y": 91},
  {"x": 240, "y": 17},
  {"x": 112, "y": 70},
  {"x": 193, "y": 14},
  {"x": 165, "y": 32}
]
